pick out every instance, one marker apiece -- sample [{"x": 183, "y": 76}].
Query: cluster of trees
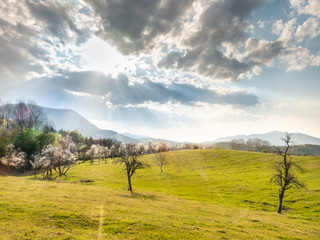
[
  {"x": 24, "y": 132},
  {"x": 188, "y": 146},
  {"x": 254, "y": 145},
  {"x": 29, "y": 142},
  {"x": 58, "y": 158}
]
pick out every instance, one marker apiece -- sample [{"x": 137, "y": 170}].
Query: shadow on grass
[{"x": 139, "y": 196}]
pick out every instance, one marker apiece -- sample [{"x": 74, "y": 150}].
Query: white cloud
[
  {"x": 261, "y": 24},
  {"x": 311, "y": 7},
  {"x": 287, "y": 31},
  {"x": 309, "y": 30},
  {"x": 315, "y": 61},
  {"x": 277, "y": 26}
]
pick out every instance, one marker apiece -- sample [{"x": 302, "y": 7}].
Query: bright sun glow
[{"x": 100, "y": 56}]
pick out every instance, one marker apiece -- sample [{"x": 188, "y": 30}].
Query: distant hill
[
  {"x": 274, "y": 138},
  {"x": 68, "y": 119},
  {"x": 145, "y": 139}
]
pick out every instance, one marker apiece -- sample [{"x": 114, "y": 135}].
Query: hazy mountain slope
[
  {"x": 145, "y": 139},
  {"x": 68, "y": 119},
  {"x": 274, "y": 138}
]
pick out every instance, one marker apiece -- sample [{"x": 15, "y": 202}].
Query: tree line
[{"x": 28, "y": 141}]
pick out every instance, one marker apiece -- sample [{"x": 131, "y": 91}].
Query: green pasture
[{"x": 202, "y": 194}]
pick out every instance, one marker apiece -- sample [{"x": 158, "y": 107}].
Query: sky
[{"x": 185, "y": 70}]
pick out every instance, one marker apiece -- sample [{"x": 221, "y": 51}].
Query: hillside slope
[
  {"x": 68, "y": 119},
  {"x": 202, "y": 194}
]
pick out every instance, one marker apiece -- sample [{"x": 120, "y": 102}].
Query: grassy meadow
[{"x": 202, "y": 194}]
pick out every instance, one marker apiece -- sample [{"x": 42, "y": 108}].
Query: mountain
[
  {"x": 134, "y": 135},
  {"x": 68, "y": 119},
  {"x": 274, "y": 138},
  {"x": 145, "y": 139}
]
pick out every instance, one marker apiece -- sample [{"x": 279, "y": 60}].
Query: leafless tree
[
  {"x": 285, "y": 172},
  {"x": 130, "y": 157},
  {"x": 105, "y": 154},
  {"x": 6, "y": 111},
  {"x": 28, "y": 115},
  {"x": 36, "y": 117},
  {"x": 237, "y": 144},
  {"x": 160, "y": 160}
]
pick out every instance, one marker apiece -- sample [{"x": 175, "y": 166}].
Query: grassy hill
[{"x": 202, "y": 194}]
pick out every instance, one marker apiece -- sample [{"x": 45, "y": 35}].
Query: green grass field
[{"x": 202, "y": 194}]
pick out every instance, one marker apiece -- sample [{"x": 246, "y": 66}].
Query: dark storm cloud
[
  {"x": 37, "y": 44},
  {"x": 212, "y": 63},
  {"x": 262, "y": 51},
  {"x": 57, "y": 21},
  {"x": 29, "y": 42},
  {"x": 222, "y": 22},
  {"x": 19, "y": 55},
  {"x": 134, "y": 25}
]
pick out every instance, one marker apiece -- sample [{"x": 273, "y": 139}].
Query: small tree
[
  {"x": 45, "y": 140},
  {"x": 44, "y": 161},
  {"x": 285, "y": 172},
  {"x": 26, "y": 142},
  {"x": 113, "y": 151},
  {"x": 105, "y": 154},
  {"x": 160, "y": 159},
  {"x": 64, "y": 156},
  {"x": 58, "y": 158},
  {"x": 130, "y": 157},
  {"x": 14, "y": 158},
  {"x": 92, "y": 153}
]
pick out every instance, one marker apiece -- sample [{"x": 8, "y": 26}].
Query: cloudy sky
[{"x": 189, "y": 70}]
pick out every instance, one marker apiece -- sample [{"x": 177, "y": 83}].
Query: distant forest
[{"x": 258, "y": 145}]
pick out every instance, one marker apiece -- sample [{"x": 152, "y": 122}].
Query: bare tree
[
  {"x": 28, "y": 115},
  {"x": 237, "y": 144},
  {"x": 6, "y": 111},
  {"x": 36, "y": 117},
  {"x": 130, "y": 157},
  {"x": 285, "y": 172},
  {"x": 160, "y": 160}
]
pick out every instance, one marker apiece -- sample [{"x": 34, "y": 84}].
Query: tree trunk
[
  {"x": 281, "y": 195},
  {"x": 129, "y": 182}
]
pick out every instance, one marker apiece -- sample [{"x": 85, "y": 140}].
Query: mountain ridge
[
  {"x": 274, "y": 137},
  {"x": 69, "y": 119}
]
